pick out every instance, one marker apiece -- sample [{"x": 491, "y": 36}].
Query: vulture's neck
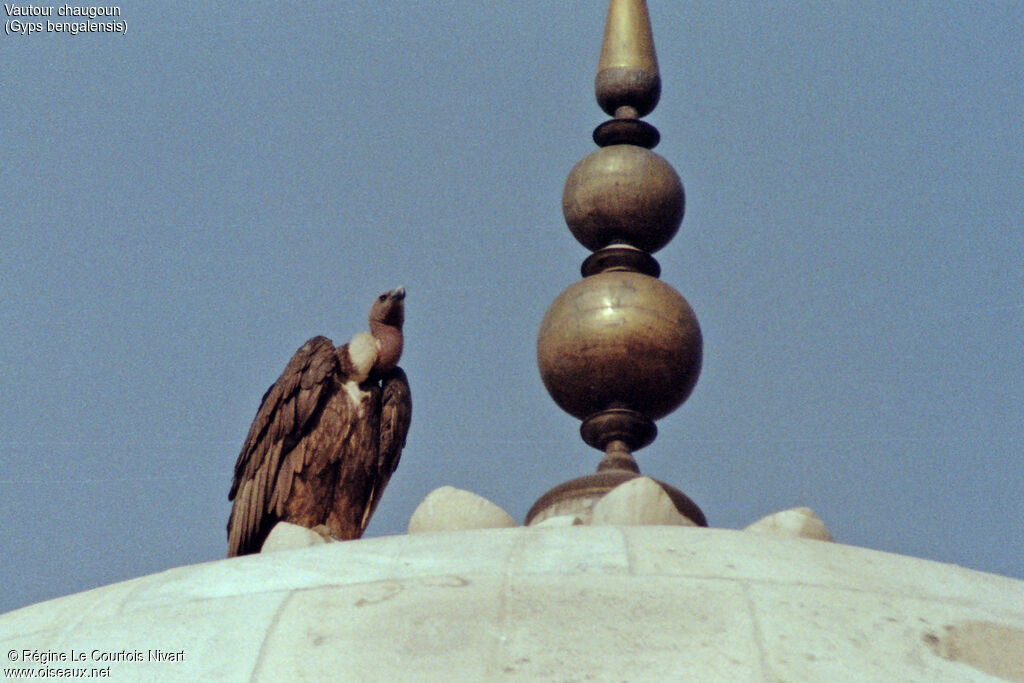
[{"x": 389, "y": 345}]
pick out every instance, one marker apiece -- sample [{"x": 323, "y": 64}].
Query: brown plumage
[{"x": 327, "y": 436}]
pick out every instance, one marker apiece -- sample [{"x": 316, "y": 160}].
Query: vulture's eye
[{"x": 382, "y": 297}]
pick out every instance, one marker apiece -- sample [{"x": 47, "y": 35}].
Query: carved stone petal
[
  {"x": 638, "y": 502},
  {"x": 798, "y": 522},
  {"x": 286, "y": 536},
  {"x": 452, "y": 509}
]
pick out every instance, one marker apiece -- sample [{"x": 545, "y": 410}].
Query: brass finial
[
  {"x": 620, "y": 349},
  {"x": 628, "y": 84}
]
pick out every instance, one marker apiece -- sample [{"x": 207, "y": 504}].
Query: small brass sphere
[
  {"x": 623, "y": 194},
  {"x": 619, "y": 340}
]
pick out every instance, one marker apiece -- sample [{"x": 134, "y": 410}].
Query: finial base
[{"x": 578, "y": 496}]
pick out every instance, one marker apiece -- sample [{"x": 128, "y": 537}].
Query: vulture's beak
[{"x": 398, "y": 293}]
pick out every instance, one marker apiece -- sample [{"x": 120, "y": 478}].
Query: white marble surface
[{"x": 554, "y": 603}]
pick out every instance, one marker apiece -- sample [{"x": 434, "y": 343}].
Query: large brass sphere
[
  {"x": 623, "y": 193},
  {"x": 619, "y": 339}
]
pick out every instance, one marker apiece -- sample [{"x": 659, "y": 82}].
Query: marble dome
[{"x": 615, "y": 603}]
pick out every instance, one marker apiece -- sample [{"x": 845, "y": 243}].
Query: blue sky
[{"x": 186, "y": 204}]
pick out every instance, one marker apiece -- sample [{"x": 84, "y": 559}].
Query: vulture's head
[{"x": 389, "y": 309}]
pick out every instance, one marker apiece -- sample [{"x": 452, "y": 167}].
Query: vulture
[{"x": 327, "y": 436}]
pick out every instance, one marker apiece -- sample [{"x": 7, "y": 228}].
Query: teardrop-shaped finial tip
[{"x": 628, "y": 84}]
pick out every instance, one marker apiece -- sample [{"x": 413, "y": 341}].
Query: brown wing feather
[
  {"x": 395, "y": 416},
  {"x": 289, "y": 408},
  {"x": 339, "y": 455}
]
